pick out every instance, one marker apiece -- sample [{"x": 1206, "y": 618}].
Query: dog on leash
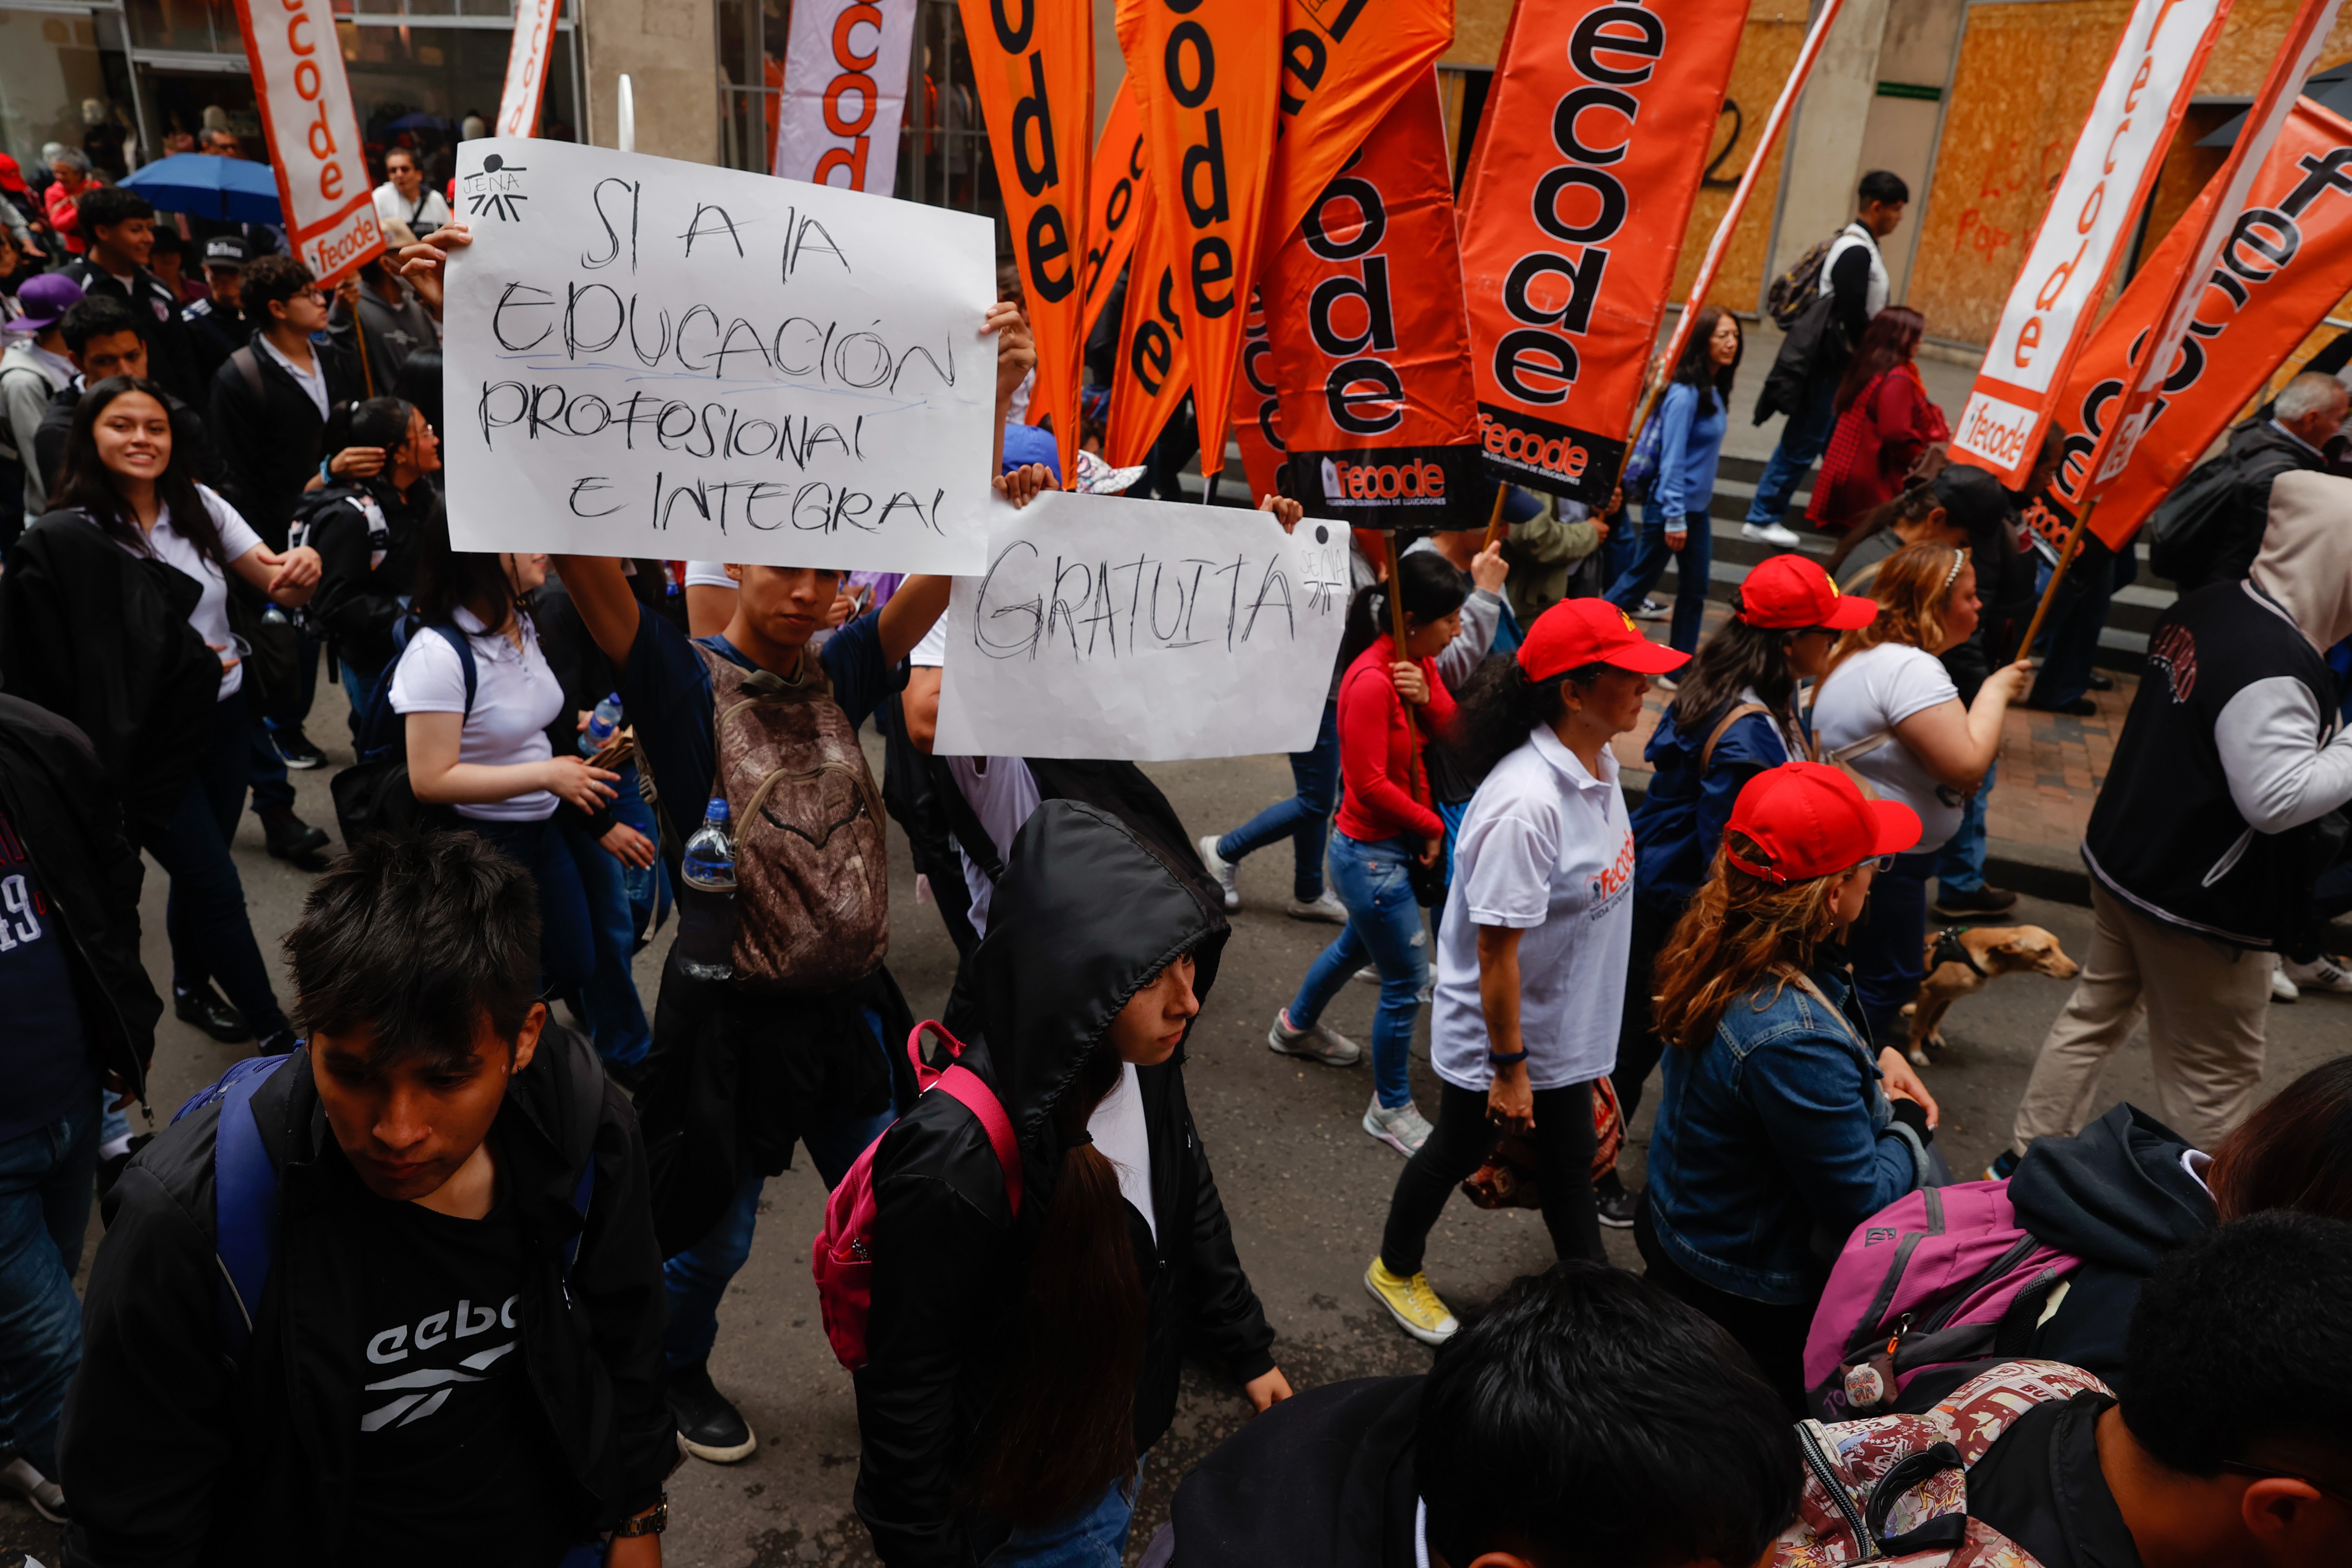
[{"x": 1962, "y": 960}]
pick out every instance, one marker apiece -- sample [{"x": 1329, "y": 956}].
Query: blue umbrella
[{"x": 202, "y": 186}]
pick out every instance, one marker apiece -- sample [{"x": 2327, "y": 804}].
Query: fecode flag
[
  {"x": 2090, "y": 219},
  {"x": 1345, "y": 63},
  {"x": 655, "y": 358},
  {"x": 1114, "y": 193},
  {"x": 1596, "y": 131},
  {"x": 2280, "y": 272},
  {"x": 1036, "y": 73},
  {"x": 844, "y": 93},
  {"x": 1372, "y": 354},
  {"x": 1155, "y": 367},
  {"x": 1150, "y": 630},
  {"x": 1204, "y": 74},
  {"x": 1257, "y": 409},
  {"x": 314, "y": 137},
  {"x": 534, "y": 40}
]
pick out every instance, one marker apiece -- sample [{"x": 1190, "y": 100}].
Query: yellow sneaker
[{"x": 1411, "y": 1304}]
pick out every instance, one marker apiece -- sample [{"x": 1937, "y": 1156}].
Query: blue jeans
[
  {"x": 1093, "y": 1537},
  {"x": 1305, "y": 818},
  {"x": 1801, "y": 440},
  {"x": 212, "y": 938},
  {"x": 699, "y": 1277},
  {"x": 45, "y": 1190},
  {"x": 1383, "y": 926},
  {"x": 567, "y": 943},
  {"x": 2071, "y": 642},
  {"x": 608, "y": 997},
  {"x": 1889, "y": 947},
  {"x": 1691, "y": 562},
  {"x": 266, "y": 769},
  {"x": 1960, "y": 863}
]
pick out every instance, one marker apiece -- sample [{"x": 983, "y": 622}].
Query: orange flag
[
  {"x": 1154, "y": 370},
  {"x": 1203, "y": 73},
  {"x": 1372, "y": 350},
  {"x": 1257, "y": 411},
  {"x": 1345, "y": 63},
  {"x": 1114, "y": 202},
  {"x": 1036, "y": 82}
]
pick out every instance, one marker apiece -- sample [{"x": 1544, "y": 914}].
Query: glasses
[{"x": 2243, "y": 1469}]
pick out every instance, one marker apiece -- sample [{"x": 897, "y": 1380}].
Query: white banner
[
  {"x": 1145, "y": 630},
  {"x": 846, "y": 93},
  {"x": 534, "y": 40},
  {"x": 314, "y": 137},
  {"x": 647, "y": 357}
]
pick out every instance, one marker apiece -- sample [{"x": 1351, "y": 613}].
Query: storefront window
[{"x": 63, "y": 79}]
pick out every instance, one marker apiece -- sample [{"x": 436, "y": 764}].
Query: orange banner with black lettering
[
  {"x": 1257, "y": 409},
  {"x": 1203, "y": 73},
  {"x": 1114, "y": 205},
  {"x": 1345, "y": 63},
  {"x": 1036, "y": 73},
  {"x": 1154, "y": 371},
  {"x": 1594, "y": 139},
  {"x": 1371, "y": 351},
  {"x": 2283, "y": 269}
]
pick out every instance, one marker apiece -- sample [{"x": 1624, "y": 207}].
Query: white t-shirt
[
  {"x": 1001, "y": 791},
  {"x": 1871, "y": 693},
  {"x": 210, "y": 617},
  {"x": 1546, "y": 848},
  {"x": 516, "y": 698},
  {"x": 1121, "y": 1138}
]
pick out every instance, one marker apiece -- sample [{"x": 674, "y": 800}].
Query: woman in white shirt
[
  {"x": 491, "y": 759},
  {"x": 1532, "y": 951},
  {"x": 1889, "y": 712},
  {"x": 121, "y": 471}
]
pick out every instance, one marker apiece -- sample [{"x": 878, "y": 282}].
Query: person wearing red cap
[
  {"x": 1778, "y": 1128},
  {"x": 1531, "y": 952},
  {"x": 1734, "y": 715}
]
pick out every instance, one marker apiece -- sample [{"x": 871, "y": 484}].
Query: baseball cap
[
  {"x": 12, "y": 175},
  {"x": 1790, "y": 593},
  {"x": 1973, "y": 499},
  {"x": 228, "y": 250},
  {"x": 1578, "y": 632},
  {"x": 45, "y": 298},
  {"x": 1810, "y": 820}
]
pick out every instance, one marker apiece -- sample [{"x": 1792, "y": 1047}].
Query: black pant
[
  {"x": 1638, "y": 1046},
  {"x": 1772, "y": 1335},
  {"x": 1460, "y": 1143}
]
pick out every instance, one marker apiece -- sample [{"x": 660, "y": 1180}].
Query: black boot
[
  {"x": 289, "y": 838},
  {"x": 205, "y": 1008},
  {"x": 710, "y": 1427}
]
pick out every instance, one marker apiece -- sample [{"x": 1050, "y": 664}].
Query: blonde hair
[
  {"x": 1740, "y": 930},
  {"x": 1913, "y": 588}
]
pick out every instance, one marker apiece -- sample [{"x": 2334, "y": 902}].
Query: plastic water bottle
[
  {"x": 602, "y": 724},
  {"x": 706, "y": 923}
]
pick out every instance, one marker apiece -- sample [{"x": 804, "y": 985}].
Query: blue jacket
[
  {"x": 1680, "y": 820},
  {"x": 1773, "y": 1143},
  {"x": 1688, "y": 444}
]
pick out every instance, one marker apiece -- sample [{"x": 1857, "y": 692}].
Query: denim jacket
[
  {"x": 1680, "y": 822},
  {"x": 1774, "y": 1141}
]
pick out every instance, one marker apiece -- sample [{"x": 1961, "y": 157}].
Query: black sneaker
[
  {"x": 2004, "y": 1165},
  {"x": 2098, "y": 682},
  {"x": 1985, "y": 903},
  {"x": 205, "y": 1008},
  {"x": 1615, "y": 1205},
  {"x": 289, "y": 838},
  {"x": 708, "y": 1424},
  {"x": 295, "y": 750}
]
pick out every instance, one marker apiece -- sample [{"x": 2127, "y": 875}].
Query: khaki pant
[{"x": 2205, "y": 1004}]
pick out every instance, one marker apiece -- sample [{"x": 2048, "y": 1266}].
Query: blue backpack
[
  {"x": 1641, "y": 467},
  {"x": 372, "y": 795}
]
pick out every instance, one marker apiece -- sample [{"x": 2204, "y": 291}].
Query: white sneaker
[
  {"x": 1768, "y": 534},
  {"x": 2322, "y": 974},
  {"x": 2283, "y": 988},
  {"x": 1224, "y": 870},
  {"x": 1404, "y": 1130},
  {"x": 1651, "y": 610},
  {"x": 1370, "y": 974},
  {"x": 1317, "y": 1042},
  {"x": 45, "y": 1498},
  {"x": 1322, "y": 907}
]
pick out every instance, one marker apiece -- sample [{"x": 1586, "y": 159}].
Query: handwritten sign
[
  {"x": 1109, "y": 628},
  {"x": 647, "y": 357}
]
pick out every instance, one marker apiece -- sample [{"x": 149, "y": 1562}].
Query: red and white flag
[
  {"x": 314, "y": 137},
  {"x": 534, "y": 40},
  {"x": 844, "y": 93}
]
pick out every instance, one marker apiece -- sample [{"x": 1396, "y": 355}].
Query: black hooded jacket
[
  {"x": 174, "y": 1454},
  {"x": 1086, "y": 914}
]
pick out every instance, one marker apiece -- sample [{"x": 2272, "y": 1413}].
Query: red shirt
[{"x": 1376, "y": 749}]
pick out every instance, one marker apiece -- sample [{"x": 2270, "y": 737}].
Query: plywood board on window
[{"x": 1767, "y": 51}]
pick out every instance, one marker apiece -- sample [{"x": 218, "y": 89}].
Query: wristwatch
[{"x": 652, "y": 1522}]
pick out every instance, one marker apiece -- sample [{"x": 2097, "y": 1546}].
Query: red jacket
[
  {"x": 62, "y": 212},
  {"x": 1875, "y": 443},
  {"x": 1377, "y": 750}
]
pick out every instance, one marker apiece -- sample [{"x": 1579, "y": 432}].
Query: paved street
[{"x": 1307, "y": 1188}]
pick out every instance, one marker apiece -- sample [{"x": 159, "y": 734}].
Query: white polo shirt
[
  {"x": 210, "y": 617},
  {"x": 516, "y": 698},
  {"x": 1546, "y": 848}
]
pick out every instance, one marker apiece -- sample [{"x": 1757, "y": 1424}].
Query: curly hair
[
  {"x": 1499, "y": 707},
  {"x": 1913, "y": 588},
  {"x": 1738, "y": 930}
]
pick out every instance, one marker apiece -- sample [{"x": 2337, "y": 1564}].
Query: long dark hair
[
  {"x": 2295, "y": 1153},
  {"x": 448, "y": 579},
  {"x": 1891, "y": 339},
  {"x": 1912, "y": 504},
  {"x": 1500, "y": 705},
  {"x": 1697, "y": 368},
  {"x": 1432, "y": 590},
  {"x": 1062, "y": 1426},
  {"x": 1736, "y": 657},
  {"x": 419, "y": 385},
  {"x": 87, "y": 485}
]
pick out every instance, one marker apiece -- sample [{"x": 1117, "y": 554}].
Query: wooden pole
[
  {"x": 2057, "y": 576},
  {"x": 1396, "y": 597},
  {"x": 359, "y": 335}
]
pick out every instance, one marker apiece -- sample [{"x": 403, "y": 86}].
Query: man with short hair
[
  {"x": 34, "y": 369},
  {"x": 393, "y": 1299},
  {"x": 218, "y": 322},
  {"x": 101, "y": 338},
  {"x": 119, "y": 226},
  {"x": 404, "y": 198},
  {"x": 1814, "y": 356},
  {"x": 2306, "y": 417}
]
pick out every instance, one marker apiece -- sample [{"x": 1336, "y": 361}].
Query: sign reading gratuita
[{"x": 655, "y": 358}]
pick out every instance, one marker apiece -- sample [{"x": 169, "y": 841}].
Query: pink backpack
[
  {"x": 1925, "y": 1282},
  {"x": 842, "y": 1258}
]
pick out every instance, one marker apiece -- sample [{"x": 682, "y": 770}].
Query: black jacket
[
  {"x": 218, "y": 331},
  {"x": 188, "y": 434},
  {"x": 100, "y": 637},
  {"x": 175, "y": 1454},
  {"x": 171, "y": 347},
  {"x": 59, "y": 803},
  {"x": 1085, "y": 915},
  {"x": 2263, "y": 451},
  {"x": 1821, "y": 344},
  {"x": 268, "y": 430},
  {"x": 358, "y": 604}
]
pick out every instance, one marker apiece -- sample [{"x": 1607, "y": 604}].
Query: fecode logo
[
  {"x": 1556, "y": 453},
  {"x": 314, "y": 142},
  {"x": 1411, "y": 480},
  {"x": 1994, "y": 430}
]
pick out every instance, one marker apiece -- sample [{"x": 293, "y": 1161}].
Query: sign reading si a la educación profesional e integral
[
  {"x": 313, "y": 136},
  {"x": 653, "y": 358}
]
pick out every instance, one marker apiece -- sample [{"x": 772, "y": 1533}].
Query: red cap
[
  {"x": 1810, "y": 820},
  {"x": 12, "y": 176},
  {"x": 1790, "y": 593},
  {"x": 1578, "y": 632}
]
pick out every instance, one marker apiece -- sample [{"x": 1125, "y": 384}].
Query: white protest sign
[
  {"x": 1145, "y": 630},
  {"x": 647, "y": 357}
]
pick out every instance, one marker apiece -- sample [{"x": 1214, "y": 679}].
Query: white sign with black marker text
[
  {"x": 1145, "y": 630},
  {"x": 651, "y": 358}
]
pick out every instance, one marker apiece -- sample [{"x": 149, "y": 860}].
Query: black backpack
[
  {"x": 372, "y": 795},
  {"x": 2191, "y": 524}
]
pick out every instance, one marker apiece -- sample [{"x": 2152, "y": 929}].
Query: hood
[
  {"x": 2116, "y": 1194},
  {"x": 19, "y": 353},
  {"x": 2305, "y": 562},
  {"x": 1085, "y": 914}
]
